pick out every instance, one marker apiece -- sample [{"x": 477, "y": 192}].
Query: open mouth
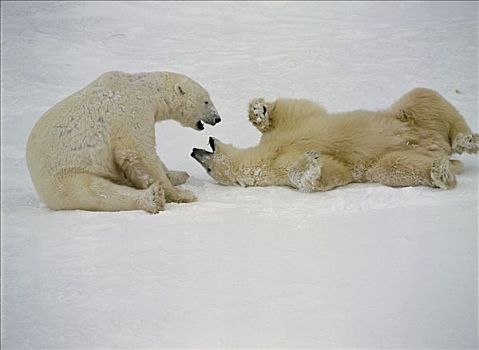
[
  {"x": 211, "y": 141},
  {"x": 200, "y": 124},
  {"x": 202, "y": 155}
]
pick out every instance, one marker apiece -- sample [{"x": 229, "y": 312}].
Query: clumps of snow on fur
[
  {"x": 253, "y": 176},
  {"x": 259, "y": 115},
  {"x": 466, "y": 143},
  {"x": 306, "y": 171},
  {"x": 441, "y": 174}
]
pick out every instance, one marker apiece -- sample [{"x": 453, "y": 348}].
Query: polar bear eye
[{"x": 206, "y": 102}]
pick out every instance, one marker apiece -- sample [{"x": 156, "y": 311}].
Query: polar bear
[
  {"x": 307, "y": 148},
  {"x": 95, "y": 150}
]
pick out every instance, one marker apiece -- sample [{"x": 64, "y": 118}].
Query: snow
[{"x": 363, "y": 266}]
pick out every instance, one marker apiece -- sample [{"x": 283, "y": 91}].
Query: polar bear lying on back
[
  {"x": 95, "y": 150},
  {"x": 305, "y": 147}
]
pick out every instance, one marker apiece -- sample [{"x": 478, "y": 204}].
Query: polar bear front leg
[
  {"x": 177, "y": 177},
  {"x": 135, "y": 170},
  {"x": 305, "y": 172},
  {"x": 315, "y": 172},
  {"x": 142, "y": 171},
  {"x": 172, "y": 193},
  {"x": 259, "y": 114}
]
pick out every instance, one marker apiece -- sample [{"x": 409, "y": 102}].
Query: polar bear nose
[
  {"x": 215, "y": 118},
  {"x": 212, "y": 119},
  {"x": 201, "y": 155}
]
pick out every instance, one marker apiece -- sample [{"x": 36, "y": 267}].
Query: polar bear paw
[
  {"x": 153, "y": 200},
  {"x": 306, "y": 171},
  {"x": 466, "y": 143},
  {"x": 177, "y": 177},
  {"x": 259, "y": 114},
  {"x": 181, "y": 196},
  {"x": 442, "y": 175}
]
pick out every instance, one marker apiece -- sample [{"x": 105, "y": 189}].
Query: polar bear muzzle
[
  {"x": 211, "y": 119},
  {"x": 202, "y": 156}
]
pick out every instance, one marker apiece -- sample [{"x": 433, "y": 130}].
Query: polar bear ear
[{"x": 178, "y": 89}]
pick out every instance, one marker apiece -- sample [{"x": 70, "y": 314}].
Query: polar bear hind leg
[
  {"x": 92, "y": 192},
  {"x": 456, "y": 165},
  {"x": 401, "y": 169},
  {"x": 468, "y": 143},
  {"x": 427, "y": 109}
]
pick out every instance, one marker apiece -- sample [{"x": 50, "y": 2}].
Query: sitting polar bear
[
  {"x": 305, "y": 147},
  {"x": 95, "y": 150}
]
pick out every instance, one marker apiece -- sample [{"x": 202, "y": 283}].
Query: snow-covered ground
[{"x": 364, "y": 266}]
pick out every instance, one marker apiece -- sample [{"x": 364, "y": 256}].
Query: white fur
[
  {"x": 407, "y": 144},
  {"x": 95, "y": 150}
]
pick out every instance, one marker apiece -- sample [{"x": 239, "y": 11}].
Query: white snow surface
[{"x": 363, "y": 266}]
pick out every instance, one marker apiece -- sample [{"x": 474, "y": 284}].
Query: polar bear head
[
  {"x": 219, "y": 164},
  {"x": 193, "y": 104}
]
